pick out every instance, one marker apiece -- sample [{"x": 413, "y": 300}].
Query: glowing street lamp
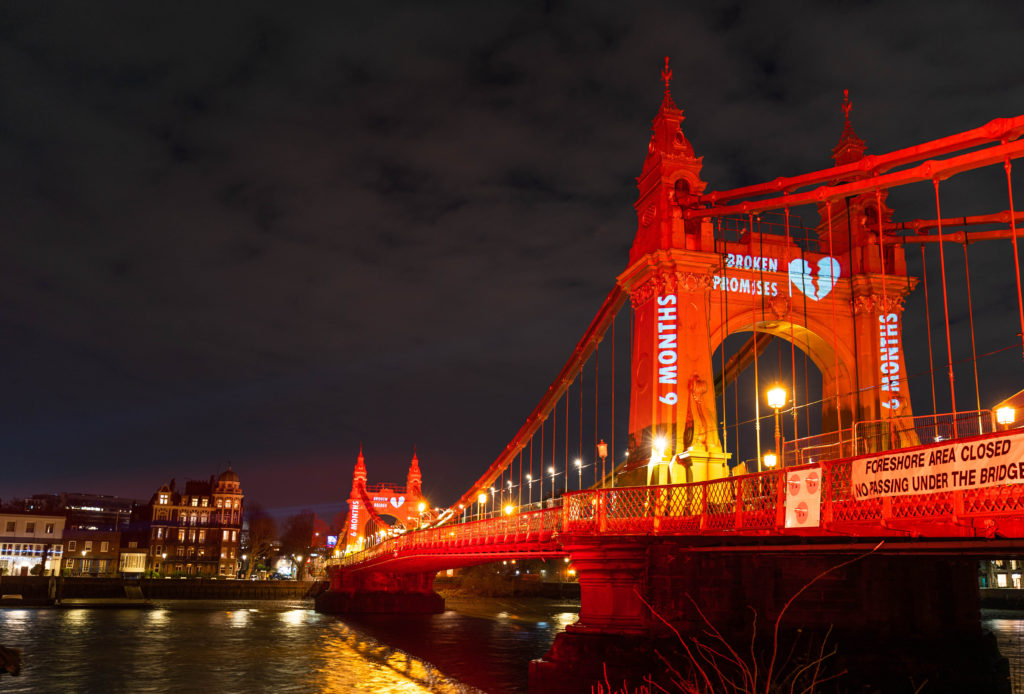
[
  {"x": 1005, "y": 416},
  {"x": 770, "y": 460},
  {"x": 481, "y": 500},
  {"x": 508, "y": 509},
  {"x": 602, "y": 453},
  {"x": 529, "y": 493},
  {"x": 776, "y": 399},
  {"x": 551, "y": 471},
  {"x": 579, "y": 473}
]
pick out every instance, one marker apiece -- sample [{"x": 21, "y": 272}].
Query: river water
[
  {"x": 260, "y": 646},
  {"x": 285, "y": 646}
]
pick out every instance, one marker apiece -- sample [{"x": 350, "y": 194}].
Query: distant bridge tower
[
  {"x": 838, "y": 298},
  {"x": 396, "y": 504}
]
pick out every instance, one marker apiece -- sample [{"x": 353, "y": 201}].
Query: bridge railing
[
  {"x": 748, "y": 502},
  {"x": 521, "y": 529}
]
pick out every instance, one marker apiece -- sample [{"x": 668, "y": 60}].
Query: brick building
[
  {"x": 197, "y": 532},
  {"x": 91, "y": 552}
]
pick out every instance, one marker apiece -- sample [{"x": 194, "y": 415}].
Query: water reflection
[{"x": 283, "y": 647}]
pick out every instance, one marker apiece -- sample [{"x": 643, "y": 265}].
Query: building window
[
  {"x": 181, "y": 535},
  {"x": 10, "y": 526},
  {"x": 206, "y": 502},
  {"x": 88, "y": 546},
  {"x": 234, "y": 535},
  {"x": 71, "y": 545},
  {"x": 225, "y": 537},
  {"x": 69, "y": 563},
  {"x": 163, "y": 498},
  {"x": 181, "y": 551},
  {"x": 220, "y": 503},
  {"x": 195, "y": 501},
  {"x": 30, "y": 528},
  {"x": 104, "y": 546},
  {"x": 133, "y": 545},
  {"x": 49, "y": 529},
  {"x": 202, "y": 536}
]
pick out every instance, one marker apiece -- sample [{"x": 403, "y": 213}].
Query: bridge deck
[{"x": 741, "y": 509}]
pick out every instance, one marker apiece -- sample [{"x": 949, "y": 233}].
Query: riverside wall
[{"x": 36, "y": 590}]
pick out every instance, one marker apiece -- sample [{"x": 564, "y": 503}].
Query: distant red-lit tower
[{"x": 394, "y": 503}]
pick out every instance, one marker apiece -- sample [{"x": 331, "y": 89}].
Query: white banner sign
[{"x": 941, "y": 468}]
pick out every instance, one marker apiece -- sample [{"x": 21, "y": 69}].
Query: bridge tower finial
[
  {"x": 414, "y": 481},
  {"x": 850, "y": 148},
  {"x": 359, "y": 475},
  {"x": 669, "y": 179}
]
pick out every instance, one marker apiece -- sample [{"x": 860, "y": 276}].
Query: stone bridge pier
[
  {"x": 894, "y": 621},
  {"x": 367, "y": 592}
]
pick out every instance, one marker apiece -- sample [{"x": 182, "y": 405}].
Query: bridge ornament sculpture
[{"x": 675, "y": 533}]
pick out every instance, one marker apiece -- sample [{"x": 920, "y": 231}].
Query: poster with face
[{"x": 803, "y": 498}]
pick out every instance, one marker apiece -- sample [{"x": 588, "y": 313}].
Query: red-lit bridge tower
[
  {"x": 394, "y": 504},
  {"x": 838, "y": 297}
]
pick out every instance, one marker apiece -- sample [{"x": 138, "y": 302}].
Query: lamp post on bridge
[
  {"x": 579, "y": 474},
  {"x": 776, "y": 399},
  {"x": 481, "y": 501},
  {"x": 602, "y": 453},
  {"x": 492, "y": 502},
  {"x": 529, "y": 484}
]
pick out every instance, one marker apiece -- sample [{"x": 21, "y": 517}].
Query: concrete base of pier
[{"x": 876, "y": 623}]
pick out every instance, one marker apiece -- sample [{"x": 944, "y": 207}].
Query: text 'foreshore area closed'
[{"x": 941, "y": 468}]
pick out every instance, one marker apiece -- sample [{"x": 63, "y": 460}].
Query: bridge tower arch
[{"x": 837, "y": 295}]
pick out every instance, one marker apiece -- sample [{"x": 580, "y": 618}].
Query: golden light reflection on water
[
  {"x": 566, "y": 618},
  {"x": 353, "y": 662},
  {"x": 294, "y": 617},
  {"x": 76, "y": 616}
]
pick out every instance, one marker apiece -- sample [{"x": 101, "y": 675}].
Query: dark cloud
[{"x": 265, "y": 234}]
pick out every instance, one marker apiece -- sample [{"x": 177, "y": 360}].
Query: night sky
[{"x": 263, "y": 234}]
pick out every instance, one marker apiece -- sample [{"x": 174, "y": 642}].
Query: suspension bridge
[{"x": 737, "y": 418}]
